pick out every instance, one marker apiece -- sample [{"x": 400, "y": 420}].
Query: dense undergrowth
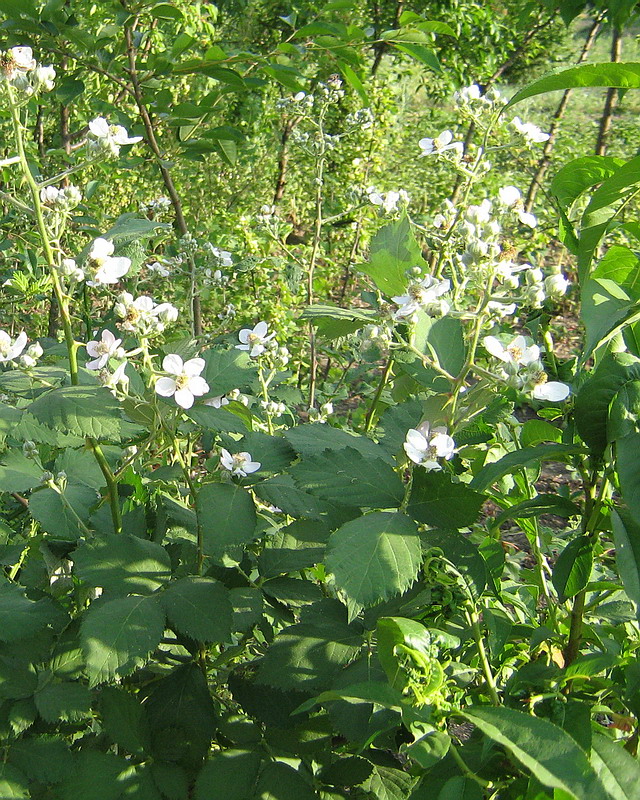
[{"x": 320, "y": 385}]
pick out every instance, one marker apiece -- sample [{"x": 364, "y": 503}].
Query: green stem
[
  {"x": 466, "y": 771},
  {"x": 368, "y": 421},
  {"x": 112, "y": 484},
  {"x": 472, "y": 617}
]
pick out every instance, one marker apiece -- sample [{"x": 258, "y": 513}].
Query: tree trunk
[
  {"x": 610, "y": 101},
  {"x": 545, "y": 159}
]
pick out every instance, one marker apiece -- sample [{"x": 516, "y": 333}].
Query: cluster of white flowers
[
  {"x": 272, "y": 408},
  {"x": 299, "y": 103},
  {"x": 217, "y": 255},
  {"x": 21, "y": 70},
  {"x": 106, "y": 139},
  {"x": 238, "y": 464},
  {"x": 142, "y": 315},
  {"x": 321, "y": 414},
  {"x": 532, "y": 133},
  {"x": 425, "y": 445},
  {"x": 425, "y": 295},
  {"x": 441, "y": 144},
  {"x": 31, "y": 356},
  {"x": 160, "y": 268},
  {"x": 228, "y": 312},
  {"x": 379, "y": 336},
  {"x": 156, "y": 207},
  {"x": 103, "y": 267},
  {"x": 186, "y": 383},
  {"x": 510, "y": 198},
  {"x": 523, "y": 369},
  {"x": 70, "y": 270},
  {"x": 387, "y": 201},
  {"x": 363, "y": 118},
  {"x": 61, "y": 199},
  {"x": 255, "y": 340}
]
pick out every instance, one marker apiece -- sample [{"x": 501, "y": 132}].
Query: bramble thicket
[{"x": 319, "y": 397}]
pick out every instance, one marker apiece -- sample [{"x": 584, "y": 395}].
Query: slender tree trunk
[
  {"x": 610, "y": 100},
  {"x": 382, "y": 47},
  {"x": 545, "y": 160}
]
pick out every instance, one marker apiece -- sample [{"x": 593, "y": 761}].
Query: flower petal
[
  {"x": 165, "y": 387},
  {"x": 194, "y": 366},
  {"x": 172, "y": 363},
  {"x": 184, "y": 397}
]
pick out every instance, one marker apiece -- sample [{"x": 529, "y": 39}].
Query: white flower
[
  {"x": 440, "y": 144},
  {"x": 239, "y": 464},
  {"x": 531, "y": 132},
  {"x": 508, "y": 196},
  {"x": 420, "y": 295},
  {"x": 44, "y": 78},
  {"x": 425, "y": 446},
  {"x": 107, "y": 268},
  {"x": 501, "y": 310},
  {"x": 187, "y": 384},
  {"x": 116, "y": 378},
  {"x": 389, "y": 200},
  {"x": 556, "y": 285},
  {"x": 467, "y": 94},
  {"x": 553, "y": 391},
  {"x": 159, "y": 269},
  {"x": 49, "y": 195},
  {"x": 101, "y": 351},
  {"x": 21, "y": 60},
  {"x": 516, "y": 353},
  {"x": 480, "y": 214},
  {"x": 30, "y": 358},
  {"x": 254, "y": 340},
  {"x": 217, "y": 402},
  {"x": 71, "y": 270},
  {"x": 10, "y": 350},
  {"x": 526, "y": 218},
  {"x": 109, "y": 138}
]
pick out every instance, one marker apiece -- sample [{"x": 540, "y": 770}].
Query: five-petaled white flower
[
  {"x": 107, "y": 268},
  {"x": 102, "y": 350},
  {"x": 20, "y": 60},
  {"x": 187, "y": 383},
  {"x": 254, "y": 340},
  {"x": 239, "y": 464},
  {"x": 109, "y": 138},
  {"x": 10, "y": 350},
  {"x": 440, "y": 144},
  {"x": 421, "y": 295},
  {"x": 516, "y": 353},
  {"x": 531, "y": 132},
  {"x": 553, "y": 391},
  {"x": 425, "y": 446}
]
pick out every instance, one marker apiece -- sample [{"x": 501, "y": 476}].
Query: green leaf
[
  {"x": 314, "y": 438},
  {"x": 18, "y": 473},
  {"x": 81, "y": 410},
  {"x": 394, "y": 631},
  {"x": 21, "y": 617},
  {"x": 626, "y": 537},
  {"x": 227, "y": 369},
  {"x": 535, "y": 431},
  {"x": 228, "y": 775},
  {"x": 273, "y": 452},
  {"x": 420, "y": 53},
  {"x": 292, "y": 548},
  {"x": 572, "y": 570},
  {"x": 122, "y": 564},
  {"x": 598, "y": 395},
  {"x": 618, "y": 771},
  {"x": 355, "y": 82},
  {"x": 463, "y": 555},
  {"x": 349, "y": 771},
  {"x": 628, "y": 467},
  {"x": 40, "y": 758},
  {"x": 543, "y": 748},
  {"x": 310, "y": 654},
  {"x": 620, "y": 76},
  {"x": 128, "y": 229},
  {"x": 13, "y": 784},
  {"x": 437, "y": 501},
  {"x": 334, "y": 321},
  {"x": 393, "y": 251},
  {"x": 181, "y": 717},
  {"x": 542, "y": 504},
  {"x": 621, "y": 265},
  {"x": 118, "y": 635},
  {"x": 374, "y": 557},
  {"x": 386, "y": 783},
  {"x": 68, "y": 701},
  {"x": 396, "y": 421},
  {"x": 227, "y": 516},
  {"x": 124, "y": 720},
  {"x": 279, "y": 781},
  {"x": 282, "y": 492},
  {"x": 520, "y": 458},
  {"x": 95, "y": 776},
  {"x": 581, "y": 174},
  {"x": 61, "y": 515},
  {"x": 604, "y": 306},
  {"x": 445, "y": 340},
  {"x": 167, "y": 11},
  {"x": 345, "y": 477},
  {"x": 199, "y": 608}
]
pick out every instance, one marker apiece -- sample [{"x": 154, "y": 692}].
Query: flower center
[
  {"x": 238, "y": 461},
  {"x": 515, "y": 352},
  {"x": 540, "y": 378},
  {"x": 182, "y": 382},
  {"x": 254, "y": 338}
]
